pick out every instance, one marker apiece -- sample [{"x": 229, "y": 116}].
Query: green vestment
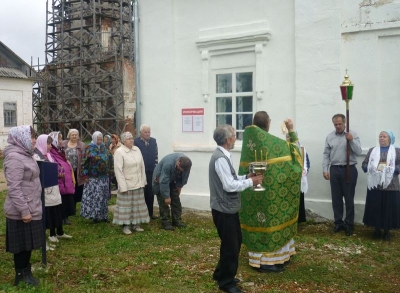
[{"x": 269, "y": 218}]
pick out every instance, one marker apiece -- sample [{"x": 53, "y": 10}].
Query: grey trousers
[{"x": 341, "y": 189}]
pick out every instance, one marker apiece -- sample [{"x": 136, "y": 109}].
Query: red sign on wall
[{"x": 193, "y": 120}]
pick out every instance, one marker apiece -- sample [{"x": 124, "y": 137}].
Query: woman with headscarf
[
  {"x": 382, "y": 205},
  {"x": 74, "y": 149},
  {"x": 66, "y": 180},
  {"x": 23, "y": 206},
  {"x": 107, "y": 140},
  {"x": 97, "y": 167},
  {"x": 52, "y": 196},
  {"x": 131, "y": 209},
  {"x": 113, "y": 146}
]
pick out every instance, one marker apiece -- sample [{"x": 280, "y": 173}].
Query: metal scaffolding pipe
[{"x": 138, "y": 113}]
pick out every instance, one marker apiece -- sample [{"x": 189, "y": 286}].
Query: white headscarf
[{"x": 95, "y": 135}]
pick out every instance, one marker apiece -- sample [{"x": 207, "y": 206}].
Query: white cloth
[
  {"x": 256, "y": 259},
  {"x": 384, "y": 176},
  {"x": 304, "y": 181}
]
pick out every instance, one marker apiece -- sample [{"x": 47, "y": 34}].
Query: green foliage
[{"x": 100, "y": 258}]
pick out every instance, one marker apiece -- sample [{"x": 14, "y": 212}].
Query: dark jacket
[{"x": 149, "y": 153}]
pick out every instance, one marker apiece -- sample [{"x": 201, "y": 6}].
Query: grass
[{"x": 101, "y": 259}]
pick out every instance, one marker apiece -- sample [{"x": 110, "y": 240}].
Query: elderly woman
[
  {"x": 107, "y": 140},
  {"x": 66, "y": 181},
  {"x": 382, "y": 205},
  {"x": 23, "y": 206},
  {"x": 113, "y": 146},
  {"x": 129, "y": 170},
  {"x": 52, "y": 196},
  {"x": 115, "y": 143},
  {"x": 74, "y": 149},
  {"x": 97, "y": 166}
]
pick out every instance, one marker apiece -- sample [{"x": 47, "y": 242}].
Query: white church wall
[{"x": 298, "y": 52}]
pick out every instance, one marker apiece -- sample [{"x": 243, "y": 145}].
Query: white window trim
[
  {"x": 250, "y": 37},
  {"x": 232, "y": 94},
  {"x": 16, "y": 114}
]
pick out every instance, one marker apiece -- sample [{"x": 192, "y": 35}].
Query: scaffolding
[{"x": 89, "y": 51}]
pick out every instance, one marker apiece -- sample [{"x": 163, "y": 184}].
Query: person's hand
[
  {"x": 257, "y": 179},
  {"x": 27, "y": 218},
  {"x": 289, "y": 124},
  {"x": 168, "y": 201},
  {"x": 349, "y": 136},
  {"x": 179, "y": 190},
  {"x": 251, "y": 175},
  {"x": 326, "y": 175}
]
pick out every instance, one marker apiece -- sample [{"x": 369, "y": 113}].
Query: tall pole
[
  {"x": 346, "y": 90},
  {"x": 138, "y": 114},
  {"x": 348, "y": 143}
]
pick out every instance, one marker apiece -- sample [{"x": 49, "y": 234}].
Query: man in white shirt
[{"x": 225, "y": 186}]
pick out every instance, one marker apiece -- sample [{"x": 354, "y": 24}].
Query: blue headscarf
[{"x": 391, "y": 136}]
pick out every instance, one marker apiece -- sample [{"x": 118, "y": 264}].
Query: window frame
[
  {"x": 234, "y": 95},
  {"x": 8, "y": 114}
]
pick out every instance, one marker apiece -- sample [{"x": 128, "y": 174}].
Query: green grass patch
[{"x": 100, "y": 258}]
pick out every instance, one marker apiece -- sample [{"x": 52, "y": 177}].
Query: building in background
[
  {"x": 88, "y": 77},
  {"x": 16, "y": 80},
  {"x": 204, "y": 63}
]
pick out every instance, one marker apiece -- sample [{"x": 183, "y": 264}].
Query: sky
[{"x": 23, "y": 28}]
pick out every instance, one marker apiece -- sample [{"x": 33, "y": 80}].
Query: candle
[
  {"x": 255, "y": 156},
  {"x": 261, "y": 156}
]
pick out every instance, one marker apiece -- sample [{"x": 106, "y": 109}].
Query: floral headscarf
[
  {"x": 125, "y": 136},
  {"x": 54, "y": 136},
  {"x": 21, "y": 136}
]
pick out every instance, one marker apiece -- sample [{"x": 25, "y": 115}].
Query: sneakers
[
  {"x": 126, "y": 230},
  {"x": 137, "y": 228},
  {"x": 65, "y": 236},
  {"x": 53, "y": 239}
]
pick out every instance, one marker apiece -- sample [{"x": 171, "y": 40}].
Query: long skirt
[
  {"x": 131, "y": 208},
  {"x": 382, "y": 209},
  {"x": 78, "y": 189},
  {"x": 22, "y": 236},
  {"x": 53, "y": 216},
  {"x": 95, "y": 197},
  {"x": 271, "y": 258},
  {"x": 68, "y": 205}
]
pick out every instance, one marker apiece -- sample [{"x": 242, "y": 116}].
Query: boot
[
  {"x": 19, "y": 276},
  {"x": 29, "y": 278},
  {"x": 167, "y": 225}
]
